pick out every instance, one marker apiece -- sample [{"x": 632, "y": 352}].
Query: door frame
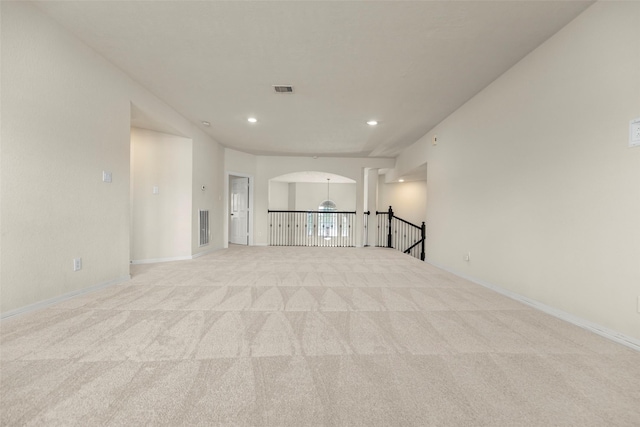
[{"x": 227, "y": 202}]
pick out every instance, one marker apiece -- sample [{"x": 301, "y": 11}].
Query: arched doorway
[{"x": 312, "y": 208}]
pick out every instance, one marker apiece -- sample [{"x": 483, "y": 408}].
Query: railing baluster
[
  {"x": 300, "y": 229},
  {"x": 292, "y": 241},
  {"x": 290, "y": 228},
  {"x": 352, "y": 227},
  {"x": 314, "y": 230},
  {"x": 302, "y": 217},
  {"x": 303, "y": 230},
  {"x": 285, "y": 228},
  {"x": 296, "y": 229},
  {"x": 280, "y": 228},
  {"x": 274, "y": 228}
]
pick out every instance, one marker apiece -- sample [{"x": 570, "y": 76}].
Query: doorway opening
[{"x": 240, "y": 205}]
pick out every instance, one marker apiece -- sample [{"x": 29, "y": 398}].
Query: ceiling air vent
[{"x": 283, "y": 88}]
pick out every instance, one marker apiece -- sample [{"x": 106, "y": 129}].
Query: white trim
[
  {"x": 225, "y": 223},
  {"x": 207, "y": 252},
  {"x": 562, "y": 315},
  {"x": 46, "y": 303},
  {"x": 156, "y": 260},
  {"x": 178, "y": 258},
  {"x": 260, "y": 244}
]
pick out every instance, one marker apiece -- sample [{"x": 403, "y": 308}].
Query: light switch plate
[
  {"x": 106, "y": 176},
  {"x": 634, "y": 133}
]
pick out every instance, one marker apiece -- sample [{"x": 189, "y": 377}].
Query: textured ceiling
[{"x": 406, "y": 64}]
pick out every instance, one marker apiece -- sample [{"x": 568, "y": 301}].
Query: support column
[
  {"x": 360, "y": 208},
  {"x": 371, "y": 204}
]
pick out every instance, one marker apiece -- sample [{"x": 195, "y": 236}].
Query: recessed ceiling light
[
  {"x": 252, "y": 120},
  {"x": 206, "y": 123},
  {"x": 401, "y": 180},
  {"x": 372, "y": 122}
]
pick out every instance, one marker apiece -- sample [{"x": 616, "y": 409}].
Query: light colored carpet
[{"x": 282, "y": 336}]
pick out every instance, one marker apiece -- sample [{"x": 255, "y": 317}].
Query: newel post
[
  {"x": 389, "y": 245},
  {"x": 423, "y": 229}
]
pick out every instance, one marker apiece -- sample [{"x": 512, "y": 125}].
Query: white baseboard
[
  {"x": 207, "y": 252},
  {"x": 46, "y": 303},
  {"x": 157, "y": 260},
  {"x": 583, "y": 323},
  {"x": 178, "y": 258}
]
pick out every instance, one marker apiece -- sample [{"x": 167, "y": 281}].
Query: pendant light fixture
[
  {"x": 326, "y": 218},
  {"x": 328, "y": 205}
]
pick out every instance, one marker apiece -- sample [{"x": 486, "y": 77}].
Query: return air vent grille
[
  {"x": 204, "y": 228},
  {"x": 283, "y": 88}
]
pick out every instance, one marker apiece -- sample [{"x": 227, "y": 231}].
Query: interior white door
[{"x": 239, "y": 211}]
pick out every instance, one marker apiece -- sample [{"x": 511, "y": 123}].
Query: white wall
[
  {"x": 208, "y": 171},
  {"x": 534, "y": 176},
  {"x": 292, "y": 196},
  {"x": 309, "y": 195},
  {"x": 60, "y": 130},
  {"x": 408, "y": 199},
  {"x": 65, "y": 119},
  {"x": 279, "y": 196},
  {"x": 161, "y": 223},
  {"x": 239, "y": 162}
]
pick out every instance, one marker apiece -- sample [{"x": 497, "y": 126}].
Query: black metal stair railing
[
  {"x": 397, "y": 233},
  {"x": 312, "y": 228}
]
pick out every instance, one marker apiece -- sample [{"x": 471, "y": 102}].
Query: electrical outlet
[
  {"x": 106, "y": 177},
  {"x": 467, "y": 257},
  {"x": 77, "y": 264}
]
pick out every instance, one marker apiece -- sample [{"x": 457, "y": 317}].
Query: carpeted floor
[{"x": 282, "y": 336}]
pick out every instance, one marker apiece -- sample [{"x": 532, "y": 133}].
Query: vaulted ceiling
[{"x": 406, "y": 64}]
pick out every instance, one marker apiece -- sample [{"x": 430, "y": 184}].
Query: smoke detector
[{"x": 283, "y": 88}]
